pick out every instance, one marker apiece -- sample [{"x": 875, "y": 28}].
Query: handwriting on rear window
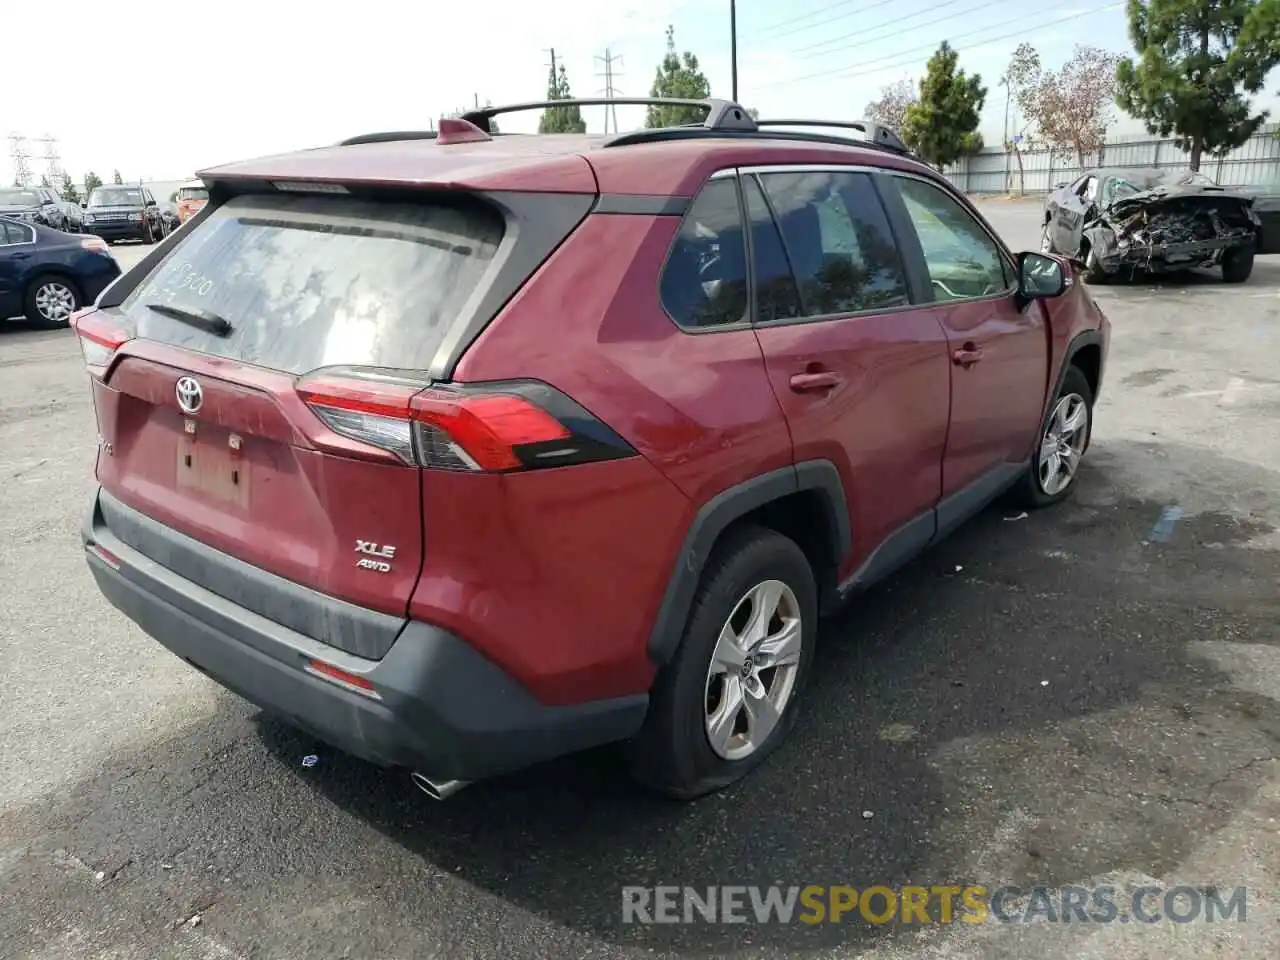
[{"x": 182, "y": 275}]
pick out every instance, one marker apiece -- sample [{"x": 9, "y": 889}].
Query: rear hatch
[{"x": 252, "y": 394}]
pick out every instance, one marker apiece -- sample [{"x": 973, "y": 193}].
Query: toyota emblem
[{"x": 190, "y": 396}]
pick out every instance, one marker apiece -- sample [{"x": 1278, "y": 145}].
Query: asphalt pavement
[{"x": 1082, "y": 695}]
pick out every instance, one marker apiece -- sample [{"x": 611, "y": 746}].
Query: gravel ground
[{"x": 1057, "y": 699}]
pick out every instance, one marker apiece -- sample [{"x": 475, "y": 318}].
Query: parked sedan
[
  {"x": 48, "y": 275},
  {"x": 1158, "y": 221}
]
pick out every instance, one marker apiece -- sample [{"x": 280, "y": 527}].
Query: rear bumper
[{"x": 443, "y": 708}]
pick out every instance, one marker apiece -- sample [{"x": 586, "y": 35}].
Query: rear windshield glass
[
  {"x": 308, "y": 282},
  {"x": 19, "y": 198},
  {"x": 116, "y": 197},
  {"x": 193, "y": 193}
]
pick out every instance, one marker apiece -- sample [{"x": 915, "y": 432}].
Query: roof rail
[
  {"x": 389, "y": 136},
  {"x": 877, "y": 134},
  {"x": 722, "y": 115}
]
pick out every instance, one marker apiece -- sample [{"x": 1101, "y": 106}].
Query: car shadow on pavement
[{"x": 1039, "y": 667}]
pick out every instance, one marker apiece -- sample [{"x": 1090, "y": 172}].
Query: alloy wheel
[
  {"x": 1063, "y": 443},
  {"x": 753, "y": 670},
  {"x": 55, "y": 302}
]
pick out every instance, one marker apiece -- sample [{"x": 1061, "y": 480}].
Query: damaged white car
[{"x": 1123, "y": 221}]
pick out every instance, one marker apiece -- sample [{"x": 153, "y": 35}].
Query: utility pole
[
  {"x": 53, "y": 164},
  {"x": 18, "y": 151},
  {"x": 610, "y": 91},
  {"x": 1008, "y": 145},
  {"x": 733, "y": 48}
]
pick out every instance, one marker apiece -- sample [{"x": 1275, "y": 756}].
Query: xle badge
[{"x": 375, "y": 556}]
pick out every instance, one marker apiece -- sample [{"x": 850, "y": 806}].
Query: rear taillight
[
  {"x": 99, "y": 340},
  {"x": 487, "y": 428},
  {"x": 95, "y": 244}
]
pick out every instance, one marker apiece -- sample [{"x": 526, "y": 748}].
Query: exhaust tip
[{"x": 437, "y": 789}]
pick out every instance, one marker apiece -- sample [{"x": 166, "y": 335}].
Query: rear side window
[
  {"x": 838, "y": 239},
  {"x": 308, "y": 282},
  {"x": 704, "y": 282},
  {"x": 11, "y": 233}
]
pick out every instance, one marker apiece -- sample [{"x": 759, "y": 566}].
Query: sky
[{"x": 244, "y": 78}]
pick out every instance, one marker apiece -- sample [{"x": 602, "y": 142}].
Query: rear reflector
[
  {"x": 106, "y": 555},
  {"x": 492, "y": 428},
  {"x": 343, "y": 678},
  {"x": 99, "y": 340}
]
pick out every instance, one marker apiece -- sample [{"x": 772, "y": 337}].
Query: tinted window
[
  {"x": 777, "y": 296},
  {"x": 962, "y": 258},
  {"x": 838, "y": 240},
  {"x": 11, "y": 232},
  {"x": 704, "y": 283},
  {"x": 308, "y": 282}
]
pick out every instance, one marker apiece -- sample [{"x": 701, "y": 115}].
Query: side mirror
[
  {"x": 1060, "y": 184},
  {"x": 1040, "y": 277}
]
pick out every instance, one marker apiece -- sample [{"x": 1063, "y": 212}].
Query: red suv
[{"x": 463, "y": 451}]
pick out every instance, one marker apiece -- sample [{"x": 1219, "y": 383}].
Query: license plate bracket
[{"x": 214, "y": 465}]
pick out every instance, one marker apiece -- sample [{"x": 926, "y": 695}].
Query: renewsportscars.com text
[{"x": 974, "y": 903}]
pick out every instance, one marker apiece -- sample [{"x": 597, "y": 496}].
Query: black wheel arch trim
[
  {"x": 718, "y": 513},
  {"x": 1081, "y": 340}
]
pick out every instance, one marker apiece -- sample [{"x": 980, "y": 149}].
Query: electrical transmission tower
[
  {"x": 51, "y": 158},
  {"x": 18, "y": 151},
  {"x": 610, "y": 91}
]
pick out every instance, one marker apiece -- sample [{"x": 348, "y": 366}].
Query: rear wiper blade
[{"x": 204, "y": 319}]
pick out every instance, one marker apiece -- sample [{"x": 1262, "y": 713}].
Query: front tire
[
  {"x": 1237, "y": 264},
  {"x": 50, "y": 301},
  {"x": 729, "y": 696},
  {"x": 1064, "y": 437}
]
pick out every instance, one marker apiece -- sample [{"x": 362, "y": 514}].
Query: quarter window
[
  {"x": 11, "y": 233},
  {"x": 704, "y": 283},
  {"x": 837, "y": 237},
  {"x": 963, "y": 260}
]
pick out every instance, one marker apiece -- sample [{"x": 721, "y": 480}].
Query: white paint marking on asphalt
[{"x": 1232, "y": 392}]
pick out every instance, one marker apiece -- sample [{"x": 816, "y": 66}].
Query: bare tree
[
  {"x": 1071, "y": 107},
  {"x": 890, "y": 109},
  {"x": 1023, "y": 70}
]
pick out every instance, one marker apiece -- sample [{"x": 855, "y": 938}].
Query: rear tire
[
  {"x": 1047, "y": 479},
  {"x": 51, "y": 300},
  {"x": 709, "y": 693},
  {"x": 1237, "y": 264}
]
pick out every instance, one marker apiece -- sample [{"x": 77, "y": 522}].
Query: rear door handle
[
  {"x": 810, "y": 382},
  {"x": 967, "y": 355}
]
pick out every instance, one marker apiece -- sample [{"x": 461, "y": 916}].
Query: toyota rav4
[{"x": 465, "y": 450}]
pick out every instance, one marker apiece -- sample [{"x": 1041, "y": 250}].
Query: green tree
[
  {"x": 69, "y": 191},
  {"x": 677, "y": 76},
  {"x": 561, "y": 119},
  {"x": 1197, "y": 62},
  {"x": 942, "y": 126},
  {"x": 115, "y": 177},
  {"x": 91, "y": 183}
]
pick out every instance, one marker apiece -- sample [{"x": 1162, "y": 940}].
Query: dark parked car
[
  {"x": 1115, "y": 220},
  {"x": 48, "y": 275},
  {"x": 125, "y": 212},
  {"x": 169, "y": 212},
  {"x": 464, "y": 451},
  {"x": 40, "y": 205}
]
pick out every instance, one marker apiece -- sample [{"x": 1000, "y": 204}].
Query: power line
[
  {"x": 836, "y": 19},
  {"x": 857, "y": 72},
  {"x": 862, "y": 35},
  {"x": 811, "y": 13}
]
